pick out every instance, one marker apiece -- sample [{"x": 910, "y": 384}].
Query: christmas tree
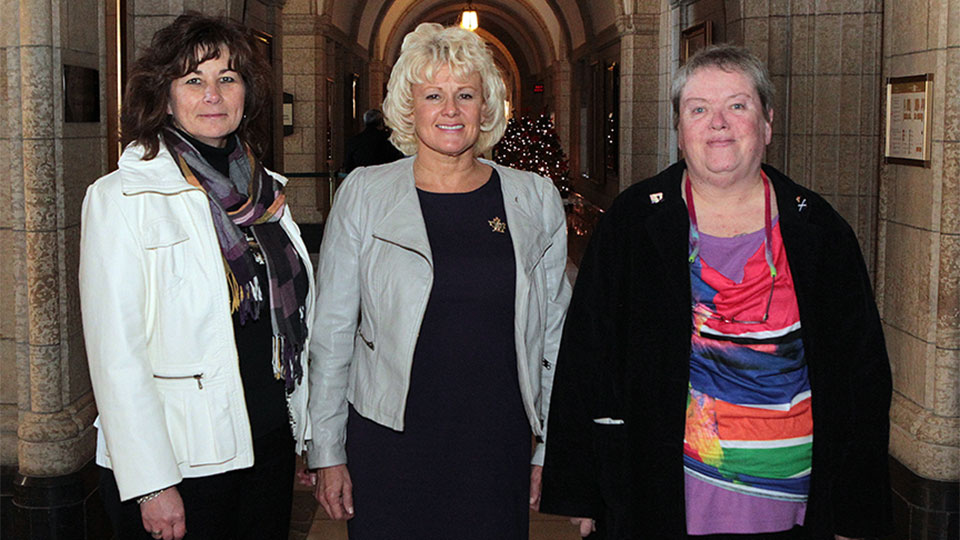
[{"x": 532, "y": 145}]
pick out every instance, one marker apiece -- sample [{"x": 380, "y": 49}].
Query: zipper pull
[{"x": 199, "y": 383}]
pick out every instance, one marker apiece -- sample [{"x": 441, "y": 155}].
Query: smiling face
[
  {"x": 447, "y": 114},
  {"x": 722, "y": 129},
  {"x": 208, "y": 103}
]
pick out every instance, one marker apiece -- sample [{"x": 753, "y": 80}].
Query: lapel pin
[
  {"x": 656, "y": 197},
  {"x": 801, "y": 203},
  {"x": 498, "y": 225}
]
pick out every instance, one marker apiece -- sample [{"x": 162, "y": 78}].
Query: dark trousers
[
  {"x": 249, "y": 503},
  {"x": 795, "y": 533}
]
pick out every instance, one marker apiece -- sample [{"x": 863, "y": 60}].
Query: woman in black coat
[{"x": 668, "y": 327}]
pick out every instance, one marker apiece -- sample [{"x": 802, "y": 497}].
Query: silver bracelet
[{"x": 150, "y": 496}]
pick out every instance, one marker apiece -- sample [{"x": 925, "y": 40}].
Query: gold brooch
[{"x": 497, "y": 225}]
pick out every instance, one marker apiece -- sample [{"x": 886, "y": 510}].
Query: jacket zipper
[
  {"x": 197, "y": 377},
  {"x": 364, "y": 340}
]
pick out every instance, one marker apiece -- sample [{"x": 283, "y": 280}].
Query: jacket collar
[
  {"x": 158, "y": 175},
  {"x": 802, "y": 236},
  {"x": 403, "y": 223},
  {"x": 668, "y": 225}
]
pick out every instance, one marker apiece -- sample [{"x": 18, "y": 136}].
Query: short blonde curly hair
[{"x": 424, "y": 52}]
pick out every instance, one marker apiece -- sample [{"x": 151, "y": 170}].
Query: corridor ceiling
[{"x": 533, "y": 34}]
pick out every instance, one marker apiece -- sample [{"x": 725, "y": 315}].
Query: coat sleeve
[
  {"x": 861, "y": 488},
  {"x": 335, "y": 325},
  {"x": 114, "y": 307},
  {"x": 557, "y": 298},
  {"x": 572, "y": 471}
]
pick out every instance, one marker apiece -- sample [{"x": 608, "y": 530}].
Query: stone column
[
  {"x": 309, "y": 57},
  {"x": 54, "y": 402},
  {"x": 378, "y": 78},
  {"x": 918, "y": 276},
  {"x": 12, "y": 235},
  {"x": 302, "y": 49},
  {"x": 561, "y": 72},
  {"x": 54, "y": 430},
  {"x": 639, "y": 92}
]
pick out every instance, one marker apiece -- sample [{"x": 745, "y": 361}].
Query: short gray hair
[{"x": 729, "y": 58}]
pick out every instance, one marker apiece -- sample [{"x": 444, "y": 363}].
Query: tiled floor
[
  {"x": 309, "y": 522},
  {"x": 542, "y": 527}
]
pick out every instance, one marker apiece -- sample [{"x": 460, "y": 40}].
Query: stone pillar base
[
  {"x": 56, "y": 508},
  {"x": 923, "y": 509}
]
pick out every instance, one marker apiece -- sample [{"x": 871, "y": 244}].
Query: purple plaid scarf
[{"x": 261, "y": 212}]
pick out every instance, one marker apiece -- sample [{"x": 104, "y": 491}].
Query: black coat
[
  {"x": 625, "y": 354},
  {"x": 371, "y": 146}
]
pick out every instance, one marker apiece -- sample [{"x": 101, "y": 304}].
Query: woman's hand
[
  {"x": 306, "y": 477},
  {"x": 586, "y": 526},
  {"x": 536, "y": 479},
  {"x": 334, "y": 491},
  {"x": 163, "y": 516}
]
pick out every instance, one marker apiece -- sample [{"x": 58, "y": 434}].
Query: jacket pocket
[
  {"x": 164, "y": 240},
  {"x": 200, "y": 422}
]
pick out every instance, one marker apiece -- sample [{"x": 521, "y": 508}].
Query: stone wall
[
  {"x": 918, "y": 276},
  {"x": 304, "y": 77},
  {"x": 640, "y": 92}
]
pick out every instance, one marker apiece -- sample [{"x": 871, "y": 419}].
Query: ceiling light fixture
[{"x": 468, "y": 19}]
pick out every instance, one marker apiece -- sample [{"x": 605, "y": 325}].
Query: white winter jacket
[
  {"x": 374, "y": 279},
  {"x": 158, "y": 329}
]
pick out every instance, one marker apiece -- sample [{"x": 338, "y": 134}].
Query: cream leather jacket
[
  {"x": 158, "y": 330},
  {"x": 374, "y": 279}
]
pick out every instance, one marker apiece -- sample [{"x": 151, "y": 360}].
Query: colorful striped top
[{"x": 749, "y": 429}]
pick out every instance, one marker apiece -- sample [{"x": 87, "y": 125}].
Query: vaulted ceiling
[{"x": 527, "y": 34}]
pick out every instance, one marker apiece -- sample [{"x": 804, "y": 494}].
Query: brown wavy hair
[{"x": 177, "y": 49}]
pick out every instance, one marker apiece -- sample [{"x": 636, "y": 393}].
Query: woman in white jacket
[
  {"x": 196, "y": 292},
  {"x": 441, "y": 299}
]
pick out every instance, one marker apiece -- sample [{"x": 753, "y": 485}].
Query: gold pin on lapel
[
  {"x": 498, "y": 225},
  {"x": 656, "y": 197}
]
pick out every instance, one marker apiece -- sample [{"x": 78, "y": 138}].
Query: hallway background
[{"x": 600, "y": 69}]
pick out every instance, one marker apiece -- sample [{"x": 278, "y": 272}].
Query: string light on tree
[{"x": 531, "y": 144}]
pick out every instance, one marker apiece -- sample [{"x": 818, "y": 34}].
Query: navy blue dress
[{"x": 461, "y": 467}]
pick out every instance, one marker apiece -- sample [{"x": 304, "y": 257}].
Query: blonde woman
[{"x": 441, "y": 299}]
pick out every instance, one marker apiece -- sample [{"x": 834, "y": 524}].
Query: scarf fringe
[
  {"x": 244, "y": 298},
  {"x": 286, "y": 362},
  {"x": 234, "y": 288},
  {"x": 264, "y": 205}
]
